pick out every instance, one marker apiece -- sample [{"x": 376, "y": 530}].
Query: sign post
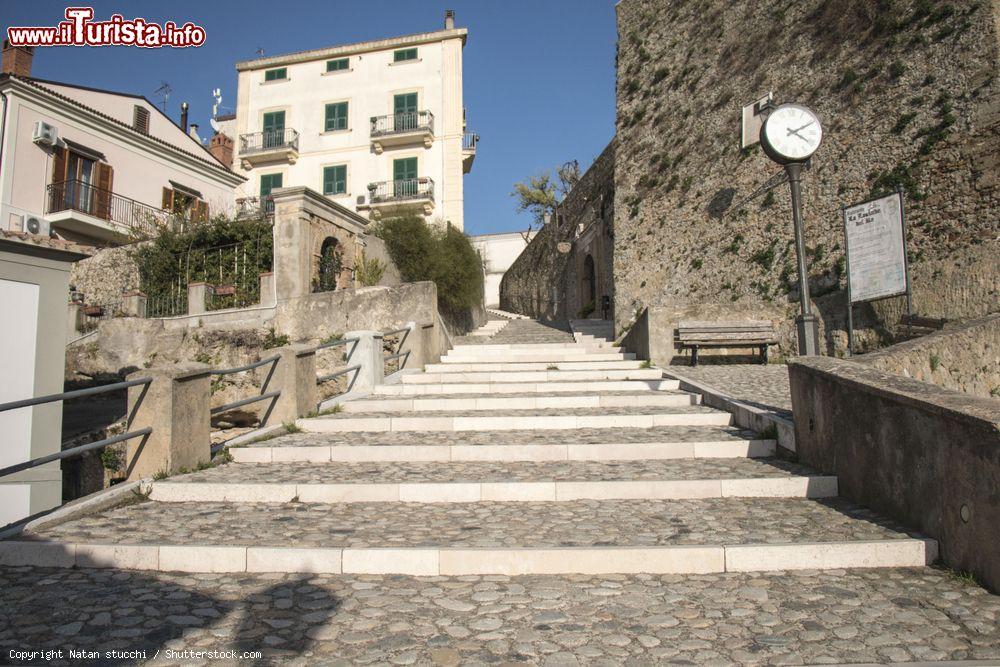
[{"x": 875, "y": 250}]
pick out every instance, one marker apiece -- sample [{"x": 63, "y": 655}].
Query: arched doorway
[
  {"x": 331, "y": 265},
  {"x": 588, "y": 287}
]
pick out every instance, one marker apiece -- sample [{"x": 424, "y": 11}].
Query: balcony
[
  {"x": 402, "y": 129},
  {"x": 402, "y": 196},
  {"x": 469, "y": 142},
  {"x": 99, "y": 213},
  {"x": 269, "y": 146},
  {"x": 248, "y": 208}
]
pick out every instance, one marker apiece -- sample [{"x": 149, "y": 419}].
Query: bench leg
[
  {"x": 694, "y": 355},
  {"x": 763, "y": 354}
]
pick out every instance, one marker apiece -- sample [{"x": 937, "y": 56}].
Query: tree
[{"x": 543, "y": 192}]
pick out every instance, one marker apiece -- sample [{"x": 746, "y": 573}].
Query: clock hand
[
  {"x": 791, "y": 132},
  {"x": 796, "y": 130}
]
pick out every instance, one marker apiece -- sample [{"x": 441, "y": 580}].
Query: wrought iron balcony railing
[
  {"x": 269, "y": 140},
  {"x": 399, "y": 123},
  {"x": 75, "y": 195},
  {"x": 255, "y": 207},
  {"x": 469, "y": 141},
  {"x": 401, "y": 190}
]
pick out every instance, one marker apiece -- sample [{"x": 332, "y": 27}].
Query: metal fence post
[
  {"x": 368, "y": 354},
  {"x": 176, "y": 406}
]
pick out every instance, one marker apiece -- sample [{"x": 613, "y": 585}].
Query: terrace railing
[
  {"x": 138, "y": 219},
  {"x": 399, "y": 123},
  {"x": 401, "y": 190},
  {"x": 269, "y": 140}
]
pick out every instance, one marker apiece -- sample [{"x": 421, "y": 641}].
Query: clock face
[{"x": 791, "y": 133}]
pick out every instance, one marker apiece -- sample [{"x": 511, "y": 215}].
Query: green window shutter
[
  {"x": 276, "y": 74},
  {"x": 336, "y": 117},
  {"x": 404, "y": 169},
  {"x": 274, "y": 121},
  {"x": 335, "y": 180},
  {"x": 404, "y": 54},
  {"x": 337, "y": 65},
  {"x": 269, "y": 182},
  {"x": 406, "y": 103}
]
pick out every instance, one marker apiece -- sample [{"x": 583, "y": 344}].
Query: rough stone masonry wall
[
  {"x": 544, "y": 282},
  {"x": 907, "y": 92}
]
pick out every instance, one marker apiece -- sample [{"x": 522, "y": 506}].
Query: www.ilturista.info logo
[{"x": 79, "y": 29}]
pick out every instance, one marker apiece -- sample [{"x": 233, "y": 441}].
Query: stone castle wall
[
  {"x": 547, "y": 281},
  {"x": 907, "y": 92}
]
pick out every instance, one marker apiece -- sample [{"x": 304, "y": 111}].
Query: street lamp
[{"x": 790, "y": 136}]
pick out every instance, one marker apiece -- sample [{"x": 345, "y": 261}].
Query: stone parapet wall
[
  {"x": 965, "y": 358},
  {"x": 907, "y": 92},
  {"x": 923, "y": 455}
]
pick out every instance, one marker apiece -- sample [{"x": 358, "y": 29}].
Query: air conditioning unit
[
  {"x": 361, "y": 200},
  {"x": 37, "y": 226},
  {"x": 45, "y": 134}
]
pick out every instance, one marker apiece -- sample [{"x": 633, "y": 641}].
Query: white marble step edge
[
  {"x": 540, "y": 402},
  {"x": 533, "y": 376},
  {"x": 509, "y": 422},
  {"x": 444, "y": 561},
  {"x": 536, "y": 366},
  {"x": 516, "y": 356},
  {"x": 610, "y": 451},
  {"x": 813, "y": 486},
  {"x": 501, "y": 388}
]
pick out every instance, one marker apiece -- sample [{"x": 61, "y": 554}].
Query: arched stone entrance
[{"x": 331, "y": 265}]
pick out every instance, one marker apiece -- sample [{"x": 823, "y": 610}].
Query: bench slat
[{"x": 737, "y": 324}]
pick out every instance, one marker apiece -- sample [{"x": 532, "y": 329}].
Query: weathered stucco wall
[
  {"x": 965, "y": 358},
  {"x": 106, "y": 275},
  {"x": 923, "y": 455},
  {"x": 907, "y": 92},
  {"x": 549, "y": 280}
]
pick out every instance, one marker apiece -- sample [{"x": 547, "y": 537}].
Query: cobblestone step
[
  {"x": 534, "y": 376},
  {"x": 505, "y": 420},
  {"x": 615, "y": 444},
  {"x": 508, "y": 482},
  {"x": 608, "y": 536},
  {"x": 488, "y": 402},
  {"x": 800, "y": 617},
  {"x": 526, "y": 387}
]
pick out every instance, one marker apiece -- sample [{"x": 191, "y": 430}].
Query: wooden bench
[{"x": 750, "y": 333}]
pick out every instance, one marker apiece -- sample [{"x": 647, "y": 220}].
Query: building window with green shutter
[
  {"x": 276, "y": 74},
  {"x": 402, "y": 55},
  {"x": 337, "y": 65},
  {"x": 335, "y": 180},
  {"x": 336, "y": 117}
]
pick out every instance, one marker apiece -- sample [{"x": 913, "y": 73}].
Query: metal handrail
[
  {"x": 401, "y": 190},
  {"x": 390, "y": 357},
  {"x": 469, "y": 141},
  {"x": 258, "y": 142},
  {"x": 334, "y": 343},
  {"x": 398, "y": 123},
  {"x": 79, "y": 449},
  {"x": 76, "y": 195},
  {"x": 264, "y": 393},
  {"x": 343, "y": 371}
]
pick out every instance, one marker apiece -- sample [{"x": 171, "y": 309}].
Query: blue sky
[{"x": 539, "y": 75}]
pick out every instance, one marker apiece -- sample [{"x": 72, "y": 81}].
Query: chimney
[
  {"x": 221, "y": 147},
  {"x": 184, "y": 116},
  {"x": 193, "y": 132},
  {"x": 17, "y": 59},
  {"x": 449, "y": 19}
]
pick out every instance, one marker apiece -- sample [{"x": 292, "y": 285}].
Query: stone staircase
[
  {"x": 594, "y": 332},
  {"x": 533, "y": 453}
]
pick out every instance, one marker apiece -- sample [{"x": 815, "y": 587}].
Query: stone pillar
[
  {"x": 176, "y": 406},
  {"x": 74, "y": 320},
  {"x": 295, "y": 376},
  {"x": 267, "y": 289},
  {"x": 197, "y": 295},
  {"x": 368, "y": 353},
  {"x": 134, "y": 304}
]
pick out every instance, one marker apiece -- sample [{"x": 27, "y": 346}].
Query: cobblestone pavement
[
  {"x": 555, "y": 436},
  {"x": 763, "y": 386},
  {"x": 456, "y": 471},
  {"x": 712, "y": 521},
  {"x": 803, "y": 617},
  {"x": 520, "y": 331}
]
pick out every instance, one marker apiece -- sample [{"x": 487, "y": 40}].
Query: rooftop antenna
[
  {"x": 164, "y": 92},
  {"x": 217, "y": 94},
  {"x": 260, "y": 52}
]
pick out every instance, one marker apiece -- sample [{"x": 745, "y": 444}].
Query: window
[
  {"x": 404, "y": 109},
  {"x": 335, "y": 180},
  {"x": 140, "y": 119},
  {"x": 185, "y": 204},
  {"x": 337, "y": 65},
  {"x": 403, "y": 55},
  {"x": 336, "y": 117},
  {"x": 274, "y": 129},
  {"x": 404, "y": 177},
  {"x": 276, "y": 74},
  {"x": 269, "y": 182}
]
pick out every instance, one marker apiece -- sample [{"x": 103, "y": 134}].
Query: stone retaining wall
[{"x": 926, "y": 456}]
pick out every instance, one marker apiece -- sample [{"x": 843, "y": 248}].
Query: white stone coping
[
  {"x": 437, "y": 561},
  {"x": 747, "y": 416},
  {"x": 510, "y": 423}
]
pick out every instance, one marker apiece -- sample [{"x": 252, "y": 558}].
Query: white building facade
[
  {"x": 378, "y": 126},
  {"x": 498, "y": 252},
  {"x": 96, "y": 167}
]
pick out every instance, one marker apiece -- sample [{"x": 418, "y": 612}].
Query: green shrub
[
  {"x": 438, "y": 253},
  {"x": 275, "y": 340},
  {"x": 370, "y": 271}
]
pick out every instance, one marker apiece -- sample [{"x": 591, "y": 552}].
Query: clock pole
[{"x": 808, "y": 331}]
